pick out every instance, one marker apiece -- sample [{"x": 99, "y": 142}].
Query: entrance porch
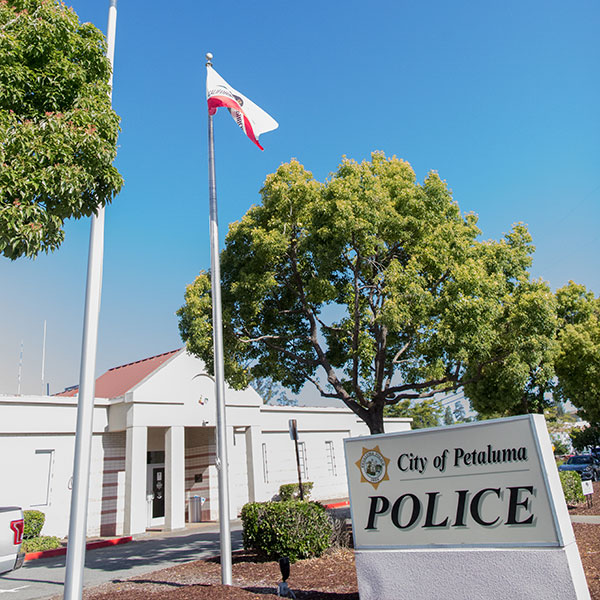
[{"x": 165, "y": 467}]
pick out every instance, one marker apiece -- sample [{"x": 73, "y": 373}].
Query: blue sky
[{"x": 502, "y": 99}]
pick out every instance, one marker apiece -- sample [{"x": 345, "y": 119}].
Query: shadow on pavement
[{"x": 178, "y": 549}]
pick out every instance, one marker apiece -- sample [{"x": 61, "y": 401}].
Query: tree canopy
[
  {"x": 578, "y": 359},
  {"x": 58, "y": 132},
  {"x": 375, "y": 288},
  {"x": 426, "y": 413}
]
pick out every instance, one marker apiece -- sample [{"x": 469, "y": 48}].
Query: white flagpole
[
  {"x": 85, "y": 408},
  {"x": 43, "y": 357},
  {"x": 215, "y": 271}
]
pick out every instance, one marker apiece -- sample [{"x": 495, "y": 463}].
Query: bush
[
  {"x": 290, "y": 528},
  {"x": 37, "y": 544},
  {"x": 291, "y": 491},
  {"x": 341, "y": 534},
  {"x": 34, "y": 521},
  {"x": 571, "y": 485}
]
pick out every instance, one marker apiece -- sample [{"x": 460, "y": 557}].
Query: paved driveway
[{"x": 44, "y": 578}]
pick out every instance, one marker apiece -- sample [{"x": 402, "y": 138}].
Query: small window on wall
[
  {"x": 330, "y": 458},
  {"x": 41, "y": 477},
  {"x": 303, "y": 463},
  {"x": 265, "y": 464}
]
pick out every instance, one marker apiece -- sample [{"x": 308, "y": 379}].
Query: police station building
[{"x": 153, "y": 448}]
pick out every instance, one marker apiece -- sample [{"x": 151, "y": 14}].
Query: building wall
[
  {"x": 37, "y": 438},
  {"x": 200, "y": 454},
  {"x": 112, "y": 497}
]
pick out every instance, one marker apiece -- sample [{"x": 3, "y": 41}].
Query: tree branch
[
  {"x": 422, "y": 395},
  {"x": 419, "y": 386},
  {"x": 356, "y": 329},
  {"x": 259, "y": 339}
]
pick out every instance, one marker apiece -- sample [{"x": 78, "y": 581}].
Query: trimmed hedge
[
  {"x": 571, "y": 485},
  {"x": 291, "y": 491},
  {"x": 34, "y": 521},
  {"x": 37, "y": 544},
  {"x": 290, "y": 528}
]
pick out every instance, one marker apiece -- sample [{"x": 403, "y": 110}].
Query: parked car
[
  {"x": 585, "y": 464},
  {"x": 11, "y": 536}
]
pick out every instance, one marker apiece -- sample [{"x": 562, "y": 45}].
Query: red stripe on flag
[
  {"x": 215, "y": 102},
  {"x": 250, "y": 131}
]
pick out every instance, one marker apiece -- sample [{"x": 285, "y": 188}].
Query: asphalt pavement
[{"x": 44, "y": 578}]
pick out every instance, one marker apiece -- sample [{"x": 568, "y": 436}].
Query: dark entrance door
[{"x": 158, "y": 489}]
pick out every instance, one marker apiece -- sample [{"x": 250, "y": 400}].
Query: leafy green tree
[
  {"x": 374, "y": 288},
  {"x": 58, "y": 132},
  {"x": 459, "y": 412},
  {"x": 448, "y": 416},
  {"x": 584, "y": 438},
  {"x": 271, "y": 392},
  {"x": 578, "y": 360},
  {"x": 559, "y": 446},
  {"x": 556, "y": 418},
  {"x": 426, "y": 413}
]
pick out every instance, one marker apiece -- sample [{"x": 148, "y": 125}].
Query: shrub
[
  {"x": 341, "y": 534},
  {"x": 290, "y": 528},
  {"x": 571, "y": 485},
  {"x": 34, "y": 521},
  {"x": 37, "y": 544},
  {"x": 291, "y": 491}
]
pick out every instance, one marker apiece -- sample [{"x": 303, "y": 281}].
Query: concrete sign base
[{"x": 493, "y": 574}]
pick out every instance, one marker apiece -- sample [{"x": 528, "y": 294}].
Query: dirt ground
[{"x": 331, "y": 577}]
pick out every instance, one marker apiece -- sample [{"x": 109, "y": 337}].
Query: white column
[
  {"x": 175, "y": 478},
  {"x": 254, "y": 460},
  {"x": 136, "y": 447}
]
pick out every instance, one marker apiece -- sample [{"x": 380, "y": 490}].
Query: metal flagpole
[
  {"x": 43, "y": 357},
  {"x": 215, "y": 269},
  {"x": 85, "y": 407}
]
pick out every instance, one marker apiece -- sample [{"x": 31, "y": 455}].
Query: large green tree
[
  {"x": 58, "y": 132},
  {"x": 578, "y": 359},
  {"x": 376, "y": 289},
  {"x": 426, "y": 413}
]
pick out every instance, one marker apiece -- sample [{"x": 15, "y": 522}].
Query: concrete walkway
[
  {"x": 595, "y": 519},
  {"x": 44, "y": 578}
]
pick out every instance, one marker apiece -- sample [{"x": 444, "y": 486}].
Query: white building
[{"x": 153, "y": 448}]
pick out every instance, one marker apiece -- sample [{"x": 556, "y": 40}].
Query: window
[
  {"x": 330, "y": 458},
  {"x": 265, "y": 464},
  {"x": 303, "y": 463},
  {"x": 41, "y": 477}
]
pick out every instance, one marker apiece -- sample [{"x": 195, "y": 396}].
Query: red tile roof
[{"x": 119, "y": 380}]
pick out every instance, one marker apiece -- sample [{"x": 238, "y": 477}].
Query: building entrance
[
  {"x": 155, "y": 488},
  {"x": 158, "y": 492}
]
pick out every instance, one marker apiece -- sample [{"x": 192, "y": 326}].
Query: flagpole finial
[{"x": 209, "y": 58}]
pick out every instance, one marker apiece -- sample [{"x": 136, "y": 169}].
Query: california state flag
[{"x": 251, "y": 118}]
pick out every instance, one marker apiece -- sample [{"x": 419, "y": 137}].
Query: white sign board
[
  {"x": 587, "y": 487},
  {"x": 491, "y": 485}
]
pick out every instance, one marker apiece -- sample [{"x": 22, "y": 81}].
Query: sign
[
  {"x": 454, "y": 509},
  {"x": 293, "y": 429},
  {"x": 479, "y": 485},
  {"x": 586, "y": 487}
]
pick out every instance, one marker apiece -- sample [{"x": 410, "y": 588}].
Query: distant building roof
[{"x": 119, "y": 380}]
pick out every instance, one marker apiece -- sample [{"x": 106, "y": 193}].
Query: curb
[
  {"x": 338, "y": 504},
  {"x": 89, "y": 546}
]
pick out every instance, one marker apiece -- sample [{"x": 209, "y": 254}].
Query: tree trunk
[
  {"x": 375, "y": 420},
  {"x": 524, "y": 405}
]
